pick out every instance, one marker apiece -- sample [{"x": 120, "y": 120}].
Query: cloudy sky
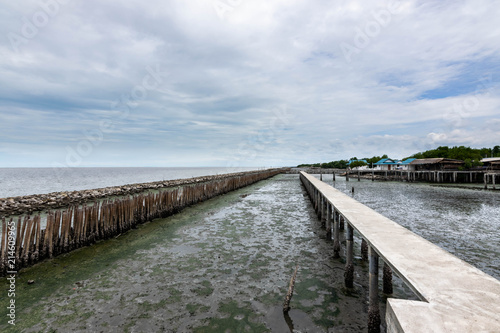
[{"x": 244, "y": 82}]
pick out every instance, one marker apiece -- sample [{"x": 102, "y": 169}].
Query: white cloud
[{"x": 416, "y": 82}]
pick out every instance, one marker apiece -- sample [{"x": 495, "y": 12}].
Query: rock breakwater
[{"x": 30, "y": 204}]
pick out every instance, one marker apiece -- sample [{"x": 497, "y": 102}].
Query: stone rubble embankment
[{"x": 39, "y": 202}]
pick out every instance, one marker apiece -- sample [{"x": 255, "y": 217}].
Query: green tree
[
  {"x": 496, "y": 151},
  {"x": 356, "y": 164}
]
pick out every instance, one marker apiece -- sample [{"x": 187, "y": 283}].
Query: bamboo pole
[
  {"x": 288, "y": 298},
  {"x": 26, "y": 240},
  {"x": 4, "y": 247},
  {"x": 47, "y": 239},
  {"x": 18, "y": 239},
  {"x": 38, "y": 237}
]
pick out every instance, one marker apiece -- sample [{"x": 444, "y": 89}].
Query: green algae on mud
[{"x": 222, "y": 265}]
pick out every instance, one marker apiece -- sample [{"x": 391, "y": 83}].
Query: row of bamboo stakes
[{"x": 79, "y": 226}]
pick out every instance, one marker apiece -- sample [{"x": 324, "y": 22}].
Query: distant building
[
  {"x": 491, "y": 163},
  {"x": 386, "y": 164},
  {"x": 406, "y": 165},
  {"x": 436, "y": 164}
]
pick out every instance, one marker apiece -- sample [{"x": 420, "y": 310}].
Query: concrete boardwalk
[{"x": 456, "y": 297}]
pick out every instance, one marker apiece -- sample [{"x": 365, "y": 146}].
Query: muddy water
[{"x": 220, "y": 266}]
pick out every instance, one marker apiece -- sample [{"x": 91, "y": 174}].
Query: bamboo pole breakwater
[
  {"x": 454, "y": 296},
  {"x": 80, "y": 225}
]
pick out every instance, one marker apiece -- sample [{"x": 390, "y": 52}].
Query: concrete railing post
[
  {"x": 323, "y": 211},
  {"x": 328, "y": 221},
  {"x": 336, "y": 234},
  {"x": 387, "y": 279},
  {"x": 364, "y": 250},
  {"x": 316, "y": 201},
  {"x": 349, "y": 266},
  {"x": 373, "y": 308}
]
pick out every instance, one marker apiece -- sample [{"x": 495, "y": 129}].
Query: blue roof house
[
  {"x": 405, "y": 165},
  {"x": 386, "y": 164}
]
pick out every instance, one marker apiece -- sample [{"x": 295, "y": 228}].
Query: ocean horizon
[{"x": 28, "y": 180}]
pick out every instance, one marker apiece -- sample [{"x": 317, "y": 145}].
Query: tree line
[{"x": 471, "y": 157}]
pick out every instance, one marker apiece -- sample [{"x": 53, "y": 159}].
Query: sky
[{"x": 244, "y": 82}]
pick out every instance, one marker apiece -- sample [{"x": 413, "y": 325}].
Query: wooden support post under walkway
[
  {"x": 364, "y": 250},
  {"x": 349, "y": 266},
  {"x": 454, "y": 296},
  {"x": 387, "y": 279},
  {"x": 373, "y": 308},
  {"x": 336, "y": 234},
  {"x": 328, "y": 221}
]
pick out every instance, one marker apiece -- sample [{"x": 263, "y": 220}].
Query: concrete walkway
[{"x": 456, "y": 297}]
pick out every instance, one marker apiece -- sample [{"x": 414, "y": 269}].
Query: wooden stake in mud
[{"x": 288, "y": 298}]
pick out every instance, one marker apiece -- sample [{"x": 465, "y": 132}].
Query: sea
[{"x": 26, "y": 181}]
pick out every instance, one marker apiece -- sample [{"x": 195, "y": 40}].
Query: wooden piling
[
  {"x": 4, "y": 247},
  {"x": 288, "y": 298},
  {"x": 27, "y": 226},
  {"x": 38, "y": 243}
]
